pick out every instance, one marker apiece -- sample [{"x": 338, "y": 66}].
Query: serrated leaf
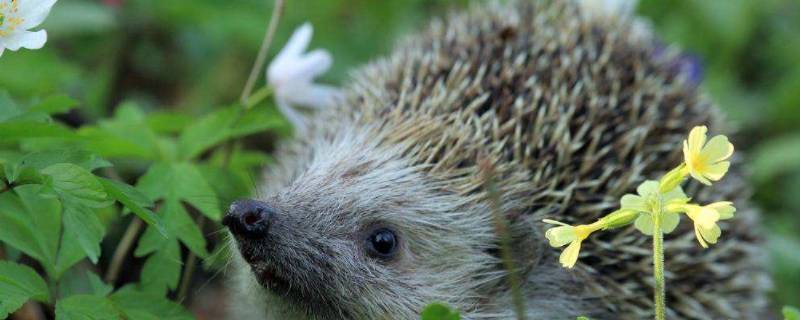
[
  {"x": 42, "y": 159},
  {"x": 222, "y": 125},
  {"x": 438, "y": 311},
  {"x": 178, "y": 224},
  {"x": 134, "y": 200},
  {"x": 18, "y": 284},
  {"x": 181, "y": 182},
  {"x": 55, "y": 104},
  {"x": 162, "y": 269},
  {"x": 82, "y": 225},
  {"x": 124, "y": 135},
  {"x": 31, "y": 223},
  {"x": 141, "y": 306},
  {"x": 76, "y": 184},
  {"x": 81, "y": 281},
  {"x": 86, "y": 307},
  {"x": 30, "y": 129}
]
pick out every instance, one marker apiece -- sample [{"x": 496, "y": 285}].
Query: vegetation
[{"x": 124, "y": 137}]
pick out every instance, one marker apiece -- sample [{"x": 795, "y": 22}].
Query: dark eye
[{"x": 382, "y": 243}]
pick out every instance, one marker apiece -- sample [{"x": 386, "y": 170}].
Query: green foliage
[
  {"x": 439, "y": 311},
  {"x": 55, "y": 201},
  {"x": 18, "y": 283},
  {"x": 791, "y": 313}
]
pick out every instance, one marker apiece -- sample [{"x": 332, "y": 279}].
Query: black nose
[{"x": 249, "y": 218}]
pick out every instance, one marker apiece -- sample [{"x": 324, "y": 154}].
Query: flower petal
[
  {"x": 696, "y": 175},
  {"x": 298, "y": 42},
  {"x": 311, "y": 95},
  {"x": 676, "y": 194},
  {"x": 707, "y": 217},
  {"x": 697, "y": 137},
  {"x": 699, "y": 236},
  {"x": 33, "y": 12},
  {"x": 669, "y": 221},
  {"x": 633, "y": 202},
  {"x": 644, "y": 223},
  {"x": 560, "y": 235},
  {"x": 294, "y": 117},
  {"x": 711, "y": 235},
  {"x": 24, "y": 39},
  {"x": 647, "y": 188},
  {"x": 717, "y": 149},
  {"x": 715, "y": 172},
  {"x": 570, "y": 254},
  {"x": 313, "y": 64},
  {"x": 725, "y": 209}
]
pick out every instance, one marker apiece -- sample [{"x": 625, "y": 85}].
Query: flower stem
[
  {"x": 277, "y": 10},
  {"x": 658, "y": 266}
]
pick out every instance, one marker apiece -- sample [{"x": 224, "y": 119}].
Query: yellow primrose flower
[
  {"x": 705, "y": 220},
  {"x": 706, "y": 161},
  {"x": 650, "y": 200},
  {"x": 563, "y": 234}
]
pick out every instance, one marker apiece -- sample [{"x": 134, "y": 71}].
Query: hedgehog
[{"x": 381, "y": 207}]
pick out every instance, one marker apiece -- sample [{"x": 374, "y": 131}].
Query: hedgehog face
[{"x": 350, "y": 230}]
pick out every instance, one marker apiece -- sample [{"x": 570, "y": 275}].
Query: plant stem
[
  {"x": 501, "y": 229},
  {"x": 121, "y": 252},
  {"x": 191, "y": 261},
  {"x": 658, "y": 266},
  {"x": 262, "y": 52}
]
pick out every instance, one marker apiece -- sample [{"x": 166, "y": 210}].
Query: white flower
[
  {"x": 291, "y": 75},
  {"x": 607, "y": 8},
  {"x": 17, "y": 17}
]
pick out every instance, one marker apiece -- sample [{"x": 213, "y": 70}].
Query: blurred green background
[{"x": 194, "y": 55}]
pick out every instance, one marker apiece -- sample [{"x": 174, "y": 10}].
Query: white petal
[
  {"x": 314, "y": 96},
  {"x": 25, "y": 39},
  {"x": 294, "y": 117},
  {"x": 281, "y": 67},
  {"x": 2, "y": 48},
  {"x": 299, "y": 40},
  {"x": 313, "y": 64},
  {"x": 34, "y": 12}
]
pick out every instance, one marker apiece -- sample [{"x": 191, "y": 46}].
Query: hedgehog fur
[{"x": 571, "y": 110}]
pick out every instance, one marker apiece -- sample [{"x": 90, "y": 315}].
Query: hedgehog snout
[{"x": 249, "y": 218}]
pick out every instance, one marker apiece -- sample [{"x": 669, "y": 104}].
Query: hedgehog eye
[{"x": 382, "y": 243}]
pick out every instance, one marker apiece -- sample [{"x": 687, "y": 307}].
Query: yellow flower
[
  {"x": 563, "y": 234},
  {"x": 706, "y": 161},
  {"x": 705, "y": 220},
  {"x": 649, "y": 201}
]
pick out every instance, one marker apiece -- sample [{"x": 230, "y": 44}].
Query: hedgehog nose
[{"x": 249, "y": 218}]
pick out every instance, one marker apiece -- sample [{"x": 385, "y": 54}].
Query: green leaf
[
  {"x": 42, "y": 159},
  {"x": 55, "y": 104},
  {"x": 439, "y": 311},
  {"x": 125, "y": 135},
  {"x": 134, "y": 200},
  {"x": 81, "y": 281},
  {"x": 31, "y": 129},
  {"x": 217, "y": 127},
  {"x": 166, "y": 122},
  {"x": 181, "y": 181},
  {"x": 31, "y": 223},
  {"x": 18, "y": 284},
  {"x": 790, "y": 313},
  {"x": 178, "y": 225},
  {"x": 76, "y": 184},
  {"x": 162, "y": 270},
  {"x": 141, "y": 306},
  {"x": 81, "y": 224},
  {"x": 86, "y": 307}
]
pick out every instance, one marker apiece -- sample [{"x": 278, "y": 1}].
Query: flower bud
[{"x": 619, "y": 218}]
